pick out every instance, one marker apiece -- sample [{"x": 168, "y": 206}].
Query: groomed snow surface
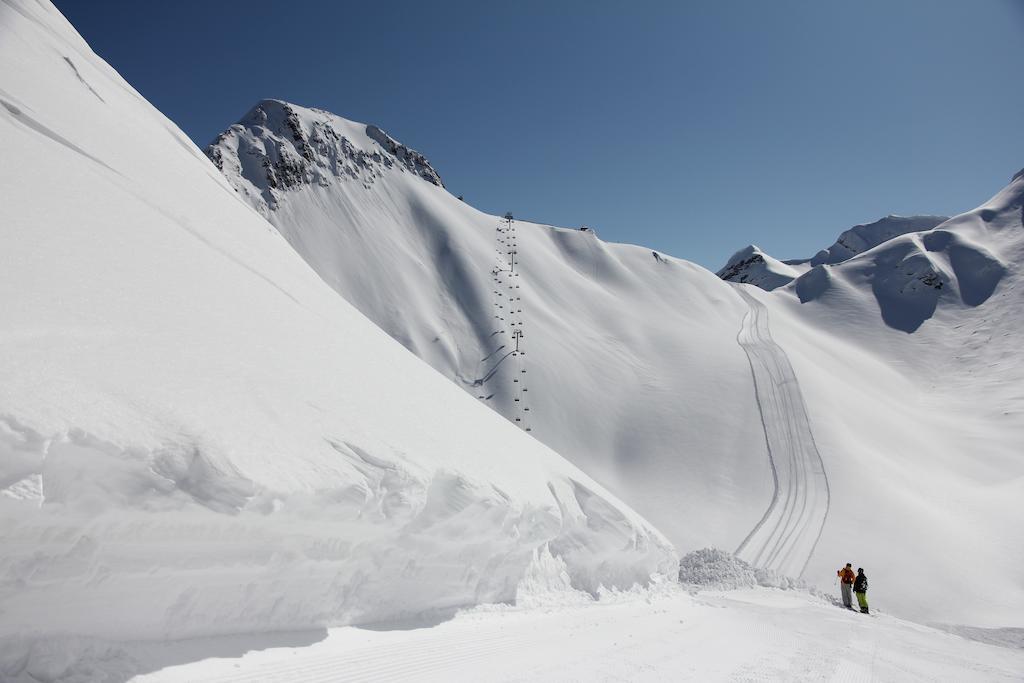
[
  {"x": 751, "y": 634},
  {"x": 728, "y": 621}
]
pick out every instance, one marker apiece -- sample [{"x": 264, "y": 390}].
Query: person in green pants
[{"x": 860, "y": 589}]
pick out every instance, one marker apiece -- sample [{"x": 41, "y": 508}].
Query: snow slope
[
  {"x": 197, "y": 436},
  {"x": 786, "y": 537},
  {"x": 903, "y": 334},
  {"x": 670, "y": 386},
  {"x": 630, "y": 356},
  {"x": 908, "y": 361}
]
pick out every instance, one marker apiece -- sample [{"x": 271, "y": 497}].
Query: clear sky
[{"x": 693, "y": 128}]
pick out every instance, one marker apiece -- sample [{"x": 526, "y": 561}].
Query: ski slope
[
  {"x": 785, "y": 538},
  {"x": 634, "y": 373}
]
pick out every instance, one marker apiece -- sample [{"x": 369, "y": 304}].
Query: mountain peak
[
  {"x": 277, "y": 146},
  {"x": 751, "y": 265}
]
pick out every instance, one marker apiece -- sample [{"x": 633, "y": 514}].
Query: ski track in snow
[{"x": 785, "y": 538}]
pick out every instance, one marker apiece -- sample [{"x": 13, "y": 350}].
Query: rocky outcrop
[{"x": 278, "y": 146}]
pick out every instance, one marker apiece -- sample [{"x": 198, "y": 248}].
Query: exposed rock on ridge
[{"x": 278, "y": 146}]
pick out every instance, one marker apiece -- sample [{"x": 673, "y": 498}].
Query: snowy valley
[{"x": 293, "y": 398}]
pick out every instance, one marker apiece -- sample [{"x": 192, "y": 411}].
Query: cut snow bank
[
  {"x": 197, "y": 435},
  {"x": 547, "y": 583}
]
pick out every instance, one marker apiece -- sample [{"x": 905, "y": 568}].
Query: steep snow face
[
  {"x": 197, "y": 435},
  {"x": 752, "y": 266},
  {"x": 629, "y": 367},
  {"x": 277, "y": 147}
]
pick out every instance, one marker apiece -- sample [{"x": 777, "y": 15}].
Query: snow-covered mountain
[
  {"x": 909, "y": 263},
  {"x": 197, "y": 435},
  {"x": 960, "y": 263},
  {"x": 625, "y": 372},
  {"x": 751, "y": 265},
  {"x": 803, "y": 435}
]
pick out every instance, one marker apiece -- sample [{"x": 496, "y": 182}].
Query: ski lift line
[
  {"x": 504, "y": 274},
  {"x": 493, "y": 370}
]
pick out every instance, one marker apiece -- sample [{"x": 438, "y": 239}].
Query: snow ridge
[
  {"x": 751, "y": 265},
  {"x": 912, "y": 273},
  {"x": 861, "y": 238}
]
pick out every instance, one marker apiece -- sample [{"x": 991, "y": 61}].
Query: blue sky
[{"x": 693, "y": 128}]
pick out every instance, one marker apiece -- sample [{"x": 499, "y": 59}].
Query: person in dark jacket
[{"x": 860, "y": 589}]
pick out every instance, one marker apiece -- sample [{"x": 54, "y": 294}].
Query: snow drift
[{"x": 197, "y": 435}]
